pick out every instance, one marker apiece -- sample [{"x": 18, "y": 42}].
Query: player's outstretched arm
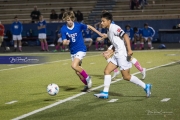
[
  {"x": 94, "y": 29},
  {"x": 127, "y": 41}
]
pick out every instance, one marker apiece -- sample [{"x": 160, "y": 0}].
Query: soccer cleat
[
  {"x": 152, "y": 48},
  {"x": 115, "y": 74},
  {"x": 148, "y": 90},
  {"x": 143, "y": 73},
  {"x": 103, "y": 95},
  {"x": 89, "y": 82},
  {"x": 85, "y": 89}
]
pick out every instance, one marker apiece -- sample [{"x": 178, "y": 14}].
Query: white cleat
[
  {"x": 143, "y": 73},
  {"x": 115, "y": 74},
  {"x": 89, "y": 82}
]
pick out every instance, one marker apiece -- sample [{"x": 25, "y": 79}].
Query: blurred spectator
[
  {"x": 16, "y": 30},
  {"x": 142, "y": 3},
  {"x": 87, "y": 38},
  {"x": 147, "y": 35},
  {"x": 2, "y": 29},
  {"x": 35, "y": 15},
  {"x": 133, "y": 3},
  {"x": 137, "y": 38},
  {"x": 99, "y": 40},
  {"x": 53, "y": 16},
  {"x": 79, "y": 16},
  {"x": 71, "y": 10},
  {"x": 42, "y": 33},
  {"x": 61, "y": 15},
  {"x": 129, "y": 31}
]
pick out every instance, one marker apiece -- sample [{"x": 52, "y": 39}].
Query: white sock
[
  {"x": 107, "y": 82},
  {"x": 137, "y": 81},
  {"x": 134, "y": 60}
]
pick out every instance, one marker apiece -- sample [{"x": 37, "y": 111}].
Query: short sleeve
[
  {"x": 118, "y": 31},
  {"x": 83, "y": 27}
]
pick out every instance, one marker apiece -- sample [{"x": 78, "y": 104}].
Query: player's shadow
[
  {"x": 67, "y": 88},
  {"x": 98, "y": 76}
]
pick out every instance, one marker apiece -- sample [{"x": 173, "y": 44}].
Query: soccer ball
[{"x": 52, "y": 89}]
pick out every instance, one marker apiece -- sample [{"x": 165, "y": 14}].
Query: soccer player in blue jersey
[
  {"x": 72, "y": 36},
  {"x": 87, "y": 38},
  {"x": 16, "y": 30},
  {"x": 147, "y": 35},
  {"x": 42, "y": 33}
]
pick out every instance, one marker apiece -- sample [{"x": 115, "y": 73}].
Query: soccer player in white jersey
[
  {"x": 72, "y": 36},
  {"x": 42, "y": 33},
  {"x": 16, "y": 30},
  {"x": 120, "y": 58}
]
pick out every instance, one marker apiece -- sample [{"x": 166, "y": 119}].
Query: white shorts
[
  {"x": 80, "y": 55},
  {"x": 17, "y": 37},
  {"x": 42, "y": 36},
  {"x": 87, "y": 39},
  {"x": 60, "y": 40},
  {"x": 121, "y": 62},
  {"x": 146, "y": 38}
]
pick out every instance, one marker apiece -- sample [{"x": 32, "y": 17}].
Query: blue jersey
[
  {"x": 16, "y": 28},
  {"x": 42, "y": 23},
  {"x": 149, "y": 32},
  {"x": 130, "y": 33},
  {"x": 87, "y": 33},
  {"x": 75, "y": 36}
]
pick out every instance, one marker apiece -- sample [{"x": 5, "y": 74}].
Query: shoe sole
[{"x": 102, "y": 97}]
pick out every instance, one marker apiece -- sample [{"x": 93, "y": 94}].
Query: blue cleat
[
  {"x": 148, "y": 90},
  {"x": 103, "y": 95}
]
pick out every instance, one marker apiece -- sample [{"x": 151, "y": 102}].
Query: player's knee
[
  {"x": 73, "y": 66},
  {"x": 127, "y": 77},
  {"x": 106, "y": 72}
]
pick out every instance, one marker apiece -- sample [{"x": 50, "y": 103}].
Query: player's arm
[
  {"x": 93, "y": 29},
  {"x": 109, "y": 52}
]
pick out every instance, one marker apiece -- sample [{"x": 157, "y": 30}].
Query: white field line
[
  {"x": 77, "y": 95},
  {"x": 41, "y": 64}
]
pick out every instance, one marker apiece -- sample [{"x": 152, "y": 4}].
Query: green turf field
[{"x": 26, "y": 84}]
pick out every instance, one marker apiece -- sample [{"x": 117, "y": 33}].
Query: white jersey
[{"x": 115, "y": 35}]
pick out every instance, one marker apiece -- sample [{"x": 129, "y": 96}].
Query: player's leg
[
  {"x": 19, "y": 42},
  {"x": 150, "y": 43},
  {"x": 135, "y": 43},
  {"x": 97, "y": 43},
  {"x": 142, "y": 43},
  {"x": 45, "y": 42},
  {"x": 15, "y": 42},
  {"x": 75, "y": 65},
  {"x": 116, "y": 71},
  {"x": 125, "y": 71},
  {"x": 107, "y": 79},
  {"x": 135, "y": 62},
  {"x": 40, "y": 36},
  {"x": 102, "y": 45}
]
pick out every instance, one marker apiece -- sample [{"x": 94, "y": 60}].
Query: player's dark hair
[
  {"x": 107, "y": 15},
  {"x": 128, "y": 25},
  {"x": 68, "y": 15},
  {"x": 145, "y": 24}
]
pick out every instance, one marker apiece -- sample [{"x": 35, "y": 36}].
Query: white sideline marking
[
  {"x": 14, "y": 101},
  {"x": 40, "y": 64},
  {"x": 165, "y": 99},
  {"x": 113, "y": 100},
  {"x": 77, "y": 95},
  {"x": 92, "y": 63}
]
